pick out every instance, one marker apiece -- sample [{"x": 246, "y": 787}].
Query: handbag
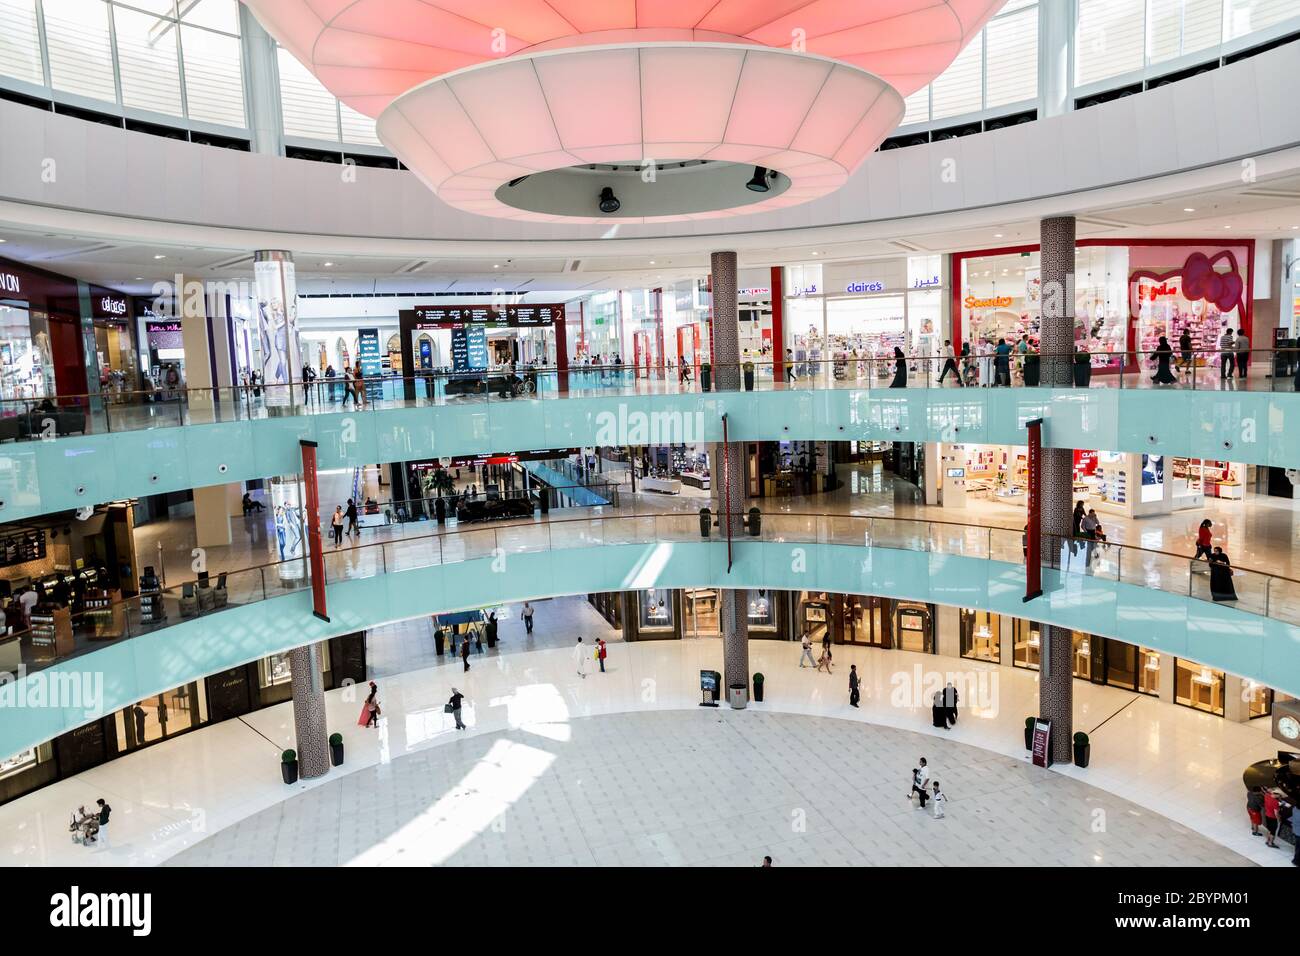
[{"x": 447, "y": 708}]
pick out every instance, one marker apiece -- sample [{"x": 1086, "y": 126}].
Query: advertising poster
[
  {"x": 372, "y": 363},
  {"x": 277, "y": 329}
]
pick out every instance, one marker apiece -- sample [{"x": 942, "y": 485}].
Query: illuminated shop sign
[
  {"x": 110, "y": 307},
  {"x": 996, "y": 302},
  {"x": 1153, "y": 292},
  {"x": 511, "y": 316},
  {"x": 874, "y": 285},
  {"x": 929, "y": 283},
  {"x": 10, "y": 283}
]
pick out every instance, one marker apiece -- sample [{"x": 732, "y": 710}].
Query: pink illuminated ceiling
[
  {"x": 367, "y": 52},
  {"x": 473, "y": 94}
]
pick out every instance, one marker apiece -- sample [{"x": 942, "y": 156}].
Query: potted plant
[
  {"x": 706, "y": 377},
  {"x": 289, "y": 766},
  {"x": 1029, "y": 733},
  {"x": 1082, "y": 749},
  {"x": 748, "y": 371},
  {"x": 336, "y": 749},
  {"x": 758, "y": 687}
]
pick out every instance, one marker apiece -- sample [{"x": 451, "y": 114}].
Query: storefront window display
[
  {"x": 1125, "y": 297},
  {"x": 867, "y": 620},
  {"x": 761, "y": 608},
  {"x": 1027, "y": 643},
  {"x": 914, "y": 627},
  {"x": 26, "y": 369},
  {"x": 655, "y": 609},
  {"x": 701, "y": 610},
  {"x": 1258, "y": 699},
  {"x": 1198, "y": 686},
  {"x": 980, "y": 635},
  {"x": 161, "y": 716},
  {"x": 814, "y": 614},
  {"x": 276, "y": 669}
]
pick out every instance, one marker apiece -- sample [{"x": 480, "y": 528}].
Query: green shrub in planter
[
  {"x": 336, "y": 749},
  {"x": 706, "y": 377},
  {"x": 336, "y": 739},
  {"x": 289, "y": 766},
  {"x": 289, "y": 756},
  {"x": 748, "y": 371}
]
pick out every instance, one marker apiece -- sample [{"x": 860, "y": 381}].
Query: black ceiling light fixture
[
  {"x": 608, "y": 201},
  {"x": 758, "y": 182}
]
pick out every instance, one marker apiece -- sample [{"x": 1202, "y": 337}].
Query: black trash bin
[
  {"x": 440, "y": 510},
  {"x": 748, "y": 372},
  {"x": 706, "y": 522},
  {"x": 1032, "y": 367},
  {"x": 1082, "y": 372},
  {"x": 755, "y": 523},
  {"x": 706, "y": 377},
  {"x": 758, "y": 688}
]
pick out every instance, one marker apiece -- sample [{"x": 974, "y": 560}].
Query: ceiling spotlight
[
  {"x": 496, "y": 265},
  {"x": 608, "y": 201},
  {"x": 516, "y": 181},
  {"x": 758, "y": 182},
  {"x": 997, "y": 235},
  {"x": 1188, "y": 209},
  {"x": 160, "y": 257},
  {"x": 4, "y": 240},
  {"x": 328, "y": 264}
]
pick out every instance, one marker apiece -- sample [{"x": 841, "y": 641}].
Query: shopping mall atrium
[{"x": 649, "y": 433}]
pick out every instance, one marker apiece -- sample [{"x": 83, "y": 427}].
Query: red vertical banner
[
  {"x": 312, "y": 491},
  {"x": 1034, "y": 528},
  {"x": 778, "y": 324}
]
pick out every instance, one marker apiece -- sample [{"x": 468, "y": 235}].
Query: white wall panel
[{"x": 1150, "y": 134}]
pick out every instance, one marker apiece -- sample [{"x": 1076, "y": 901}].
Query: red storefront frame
[{"x": 1130, "y": 335}]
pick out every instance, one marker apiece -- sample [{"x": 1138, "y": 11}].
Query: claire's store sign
[{"x": 874, "y": 285}]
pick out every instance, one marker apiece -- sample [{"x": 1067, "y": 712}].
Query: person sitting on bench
[{"x": 251, "y": 505}]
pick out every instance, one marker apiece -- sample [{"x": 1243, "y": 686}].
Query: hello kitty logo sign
[{"x": 1199, "y": 279}]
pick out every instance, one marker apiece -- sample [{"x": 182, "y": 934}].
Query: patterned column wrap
[
  {"x": 1056, "y": 689},
  {"x": 1056, "y": 333},
  {"x": 726, "y": 323},
  {"x": 309, "y": 711},
  {"x": 1057, "y": 466},
  {"x": 733, "y": 620}
]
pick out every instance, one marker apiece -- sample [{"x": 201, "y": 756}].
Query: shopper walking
[
  {"x": 1255, "y": 809},
  {"x": 1002, "y": 364},
  {"x": 949, "y": 364},
  {"x": 920, "y": 781},
  {"x": 349, "y": 388},
  {"x": 464, "y": 653},
  {"x": 359, "y": 380},
  {"x": 527, "y": 616},
  {"x": 1186, "y": 357},
  {"x": 950, "y": 699},
  {"x": 336, "y": 525},
  {"x": 807, "y": 651},
  {"x": 854, "y": 686},
  {"x": 370, "y": 709},
  {"x": 1163, "y": 355},
  {"x": 601, "y": 652},
  {"x": 938, "y": 799},
  {"x": 1227, "y": 355},
  {"x": 900, "y": 369},
  {"x": 1270, "y": 818},
  {"x": 1203, "y": 540},
  {"x": 580, "y": 653},
  {"x": 454, "y": 704},
  {"x": 1243, "y": 354},
  {"x": 351, "y": 515},
  {"x": 790, "y": 375},
  {"x": 824, "y": 662},
  {"x": 1221, "y": 586}
]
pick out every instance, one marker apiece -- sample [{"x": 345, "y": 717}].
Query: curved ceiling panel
[{"x": 367, "y": 51}]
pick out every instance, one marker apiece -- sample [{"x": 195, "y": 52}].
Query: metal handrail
[{"x": 1070, "y": 555}]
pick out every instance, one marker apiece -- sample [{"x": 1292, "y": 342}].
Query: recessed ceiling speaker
[{"x": 608, "y": 201}]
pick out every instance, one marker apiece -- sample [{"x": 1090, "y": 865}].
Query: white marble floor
[
  {"x": 702, "y": 787},
  {"x": 1170, "y": 762}
]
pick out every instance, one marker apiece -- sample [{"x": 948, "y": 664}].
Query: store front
[
  {"x": 1126, "y": 297},
  {"x": 844, "y": 320},
  {"x": 115, "y": 346},
  {"x": 41, "y": 347},
  {"x": 1129, "y": 484},
  {"x": 866, "y": 620},
  {"x": 472, "y": 341}
]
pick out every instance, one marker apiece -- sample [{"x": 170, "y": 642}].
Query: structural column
[
  {"x": 1056, "y": 343},
  {"x": 263, "y": 71},
  {"x": 309, "y": 711},
  {"x": 728, "y": 464}
]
